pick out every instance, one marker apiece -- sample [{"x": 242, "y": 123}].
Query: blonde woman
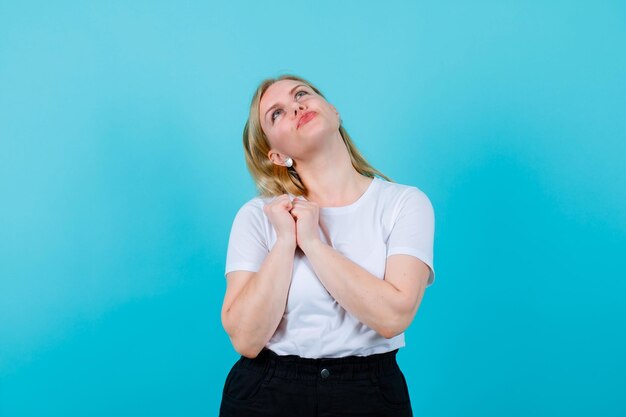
[{"x": 325, "y": 268}]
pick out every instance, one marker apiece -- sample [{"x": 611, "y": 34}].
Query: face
[{"x": 281, "y": 111}]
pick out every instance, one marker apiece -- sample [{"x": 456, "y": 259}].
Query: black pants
[{"x": 291, "y": 386}]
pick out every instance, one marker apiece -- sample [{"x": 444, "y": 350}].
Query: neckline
[{"x": 352, "y": 206}]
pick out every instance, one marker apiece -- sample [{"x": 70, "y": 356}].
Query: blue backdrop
[{"x": 121, "y": 169}]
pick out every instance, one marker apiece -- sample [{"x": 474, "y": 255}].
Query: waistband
[{"x": 346, "y": 368}]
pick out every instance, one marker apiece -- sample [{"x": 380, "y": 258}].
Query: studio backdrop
[{"x": 122, "y": 168}]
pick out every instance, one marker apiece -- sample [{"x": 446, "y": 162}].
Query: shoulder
[
  {"x": 402, "y": 193},
  {"x": 253, "y": 208},
  {"x": 255, "y": 203}
]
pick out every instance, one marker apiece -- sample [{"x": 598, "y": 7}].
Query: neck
[{"x": 330, "y": 178}]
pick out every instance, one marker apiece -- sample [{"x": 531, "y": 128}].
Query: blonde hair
[{"x": 271, "y": 179}]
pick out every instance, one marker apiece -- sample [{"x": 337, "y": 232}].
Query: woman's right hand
[{"x": 278, "y": 212}]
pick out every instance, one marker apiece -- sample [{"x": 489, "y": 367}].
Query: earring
[{"x": 288, "y": 162}]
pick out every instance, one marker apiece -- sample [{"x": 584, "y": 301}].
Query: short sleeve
[
  {"x": 413, "y": 231},
  {"x": 247, "y": 244}
]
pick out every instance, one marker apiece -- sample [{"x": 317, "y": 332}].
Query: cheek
[
  {"x": 278, "y": 136},
  {"x": 284, "y": 129}
]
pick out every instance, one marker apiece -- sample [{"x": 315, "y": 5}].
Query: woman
[{"x": 325, "y": 269}]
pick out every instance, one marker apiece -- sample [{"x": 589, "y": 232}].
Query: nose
[{"x": 299, "y": 107}]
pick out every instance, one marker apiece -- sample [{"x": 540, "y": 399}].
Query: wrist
[
  {"x": 310, "y": 245},
  {"x": 287, "y": 242}
]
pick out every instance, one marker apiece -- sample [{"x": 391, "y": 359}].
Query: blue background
[{"x": 121, "y": 170}]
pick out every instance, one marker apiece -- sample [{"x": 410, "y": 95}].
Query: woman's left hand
[{"x": 307, "y": 215}]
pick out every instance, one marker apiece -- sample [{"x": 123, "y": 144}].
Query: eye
[
  {"x": 274, "y": 113},
  {"x": 301, "y": 91}
]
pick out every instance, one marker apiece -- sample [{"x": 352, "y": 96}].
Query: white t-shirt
[{"x": 388, "y": 219}]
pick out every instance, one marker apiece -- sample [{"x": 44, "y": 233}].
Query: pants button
[{"x": 325, "y": 373}]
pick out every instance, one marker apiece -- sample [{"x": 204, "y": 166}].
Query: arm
[
  {"x": 387, "y": 306},
  {"x": 255, "y": 301}
]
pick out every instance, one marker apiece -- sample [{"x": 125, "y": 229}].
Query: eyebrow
[{"x": 290, "y": 93}]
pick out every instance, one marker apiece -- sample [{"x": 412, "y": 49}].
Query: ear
[{"x": 276, "y": 158}]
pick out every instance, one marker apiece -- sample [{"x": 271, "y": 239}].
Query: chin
[{"x": 315, "y": 129}]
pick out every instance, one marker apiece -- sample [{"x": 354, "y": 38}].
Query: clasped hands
[{"x": 296, "y": 221}]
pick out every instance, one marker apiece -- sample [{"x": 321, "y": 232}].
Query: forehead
[{"x": 277, "y": 92}]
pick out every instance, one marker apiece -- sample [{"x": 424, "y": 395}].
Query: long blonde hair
[{"x": 271, "y": 179}]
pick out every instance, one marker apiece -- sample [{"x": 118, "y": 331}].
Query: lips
[{"x": 305, "y": 118}]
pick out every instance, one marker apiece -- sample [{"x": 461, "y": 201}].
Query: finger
[
  {"x": 276, "y": 203},
  {"x": 294, "y": 212},
  {"x": 282, "y": 200},
  {"x": 300, "y": 212}
]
